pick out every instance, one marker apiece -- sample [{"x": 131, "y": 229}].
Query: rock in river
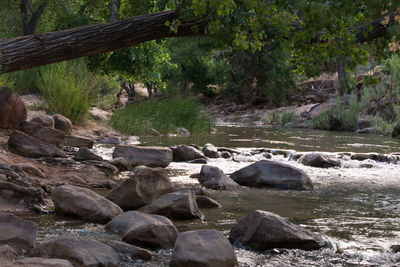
[
  {"x": 213, "y": 178},
  {"x": 263, "y": 230},
  {"x": 85, "y": 153},
  {"x": 16, "y": 232},
  {"x": 80, "y": 251},
  {"x": 186, "y": 153},
  {"x": 141, "y": 188},
  {"x": 130, "y": 250},
  {"x": 147, "y": 156},
  {"x": 84, "y": 203},
  {"x": 143, "y": 229},
  {"x": 210, "y": 151},
  {"x": 207, "y": 247},
  {"x": 176, "y": 205},
  {"x": 267, "y": 173},
  {"x": 319, "y": 160}
]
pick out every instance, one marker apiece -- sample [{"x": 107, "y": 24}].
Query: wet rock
[
  {"x": 133, "y": 252},
  {"x": 78, "y": 141},
  {"x": 111, "y": 140},
  {"x": 85, "y": 153},
  {"x": 231, "y": 151},
  {"x": 198, "y": 161},
  {"x": 147, "y": 156},
  {"x": 395, "y": 248},
  {"x": 296, "y": 156},
  {"x": 62, "y": 123},
  {"x": 206, "y": 202},
  {"x": 80, "y": 251},
  {"x": 366, "y": 165},
  {"x": 177, "y": 205},
  {"x": 225, "y": 155},
  {"x": 142, "y": 229},
  {"x": 267, "y": 155},
  {"x": 182, "y": 131},
  {"x": 42, "y": 262},
  {"x": 210, "y": 151},
  {"x": 266, "y": 173},
  {"x": 84, "y": 203},
  {"x": 12, "y": 109},
  {"x": 186, "y": 153},
  {"x": 122, "y": 164},
  {"x": 31, "y": 170},
  {"x": 44, "y": 120},
  {"x": 207, "y": 247},
  {"x": 372, "y": 156},
  {"x": 16, "y": 232},
  {"x": 28, "y": 146},
  {"x": 319, "y": 160},
  {"x": 99, "y": 114},
  {"x": 263, "y": 230},
  {"x": 213, "y": 178},
  {"x": 45, "y": 134},
  {"x": 141, "y": 188}
]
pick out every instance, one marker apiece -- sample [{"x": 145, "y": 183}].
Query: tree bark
[
  {"x": 113, "y": 8},
  {"x": 41, "y": 49},
  {"x": 28, "y": 27}
]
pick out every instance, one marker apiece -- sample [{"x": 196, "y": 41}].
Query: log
[{"x": 46, "y": 48}]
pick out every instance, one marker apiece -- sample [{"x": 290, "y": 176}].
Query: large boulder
[
  {"x": 85, "y": 153},
  {"x": 45, "y": 134},
  {"x": 147, "y": 156},
  {"x": 148, "y": 230},
  {"x": 78, "y": 141},
  {"x": 41, "y": 262},
  {"x": 176, "y": 205},
  {"x": 145, "y": 185},
  {"x": 263, "y": 230},
  {"x": 80, "y": 251},
  {"x": 210, "y": 151},
  {"x": 62, "y": 123},
  {"x": 84, "y": 203},
  {"x": 16, "y": 232},
  {"x": 44, "y": 120},
  {"x": 12, "y": 109},
  {"x": 186, "y": 153},
  {"x": 132, "y": 251},
  {"x": 319, "y": 160},
  {"x": 28, "y": 146},
  {"x": 266, "y": 173},
  {"x": 213, "y": 178},
  {"x": 207, "y": 247}
]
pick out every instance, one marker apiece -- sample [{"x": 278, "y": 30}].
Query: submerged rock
[
  {"x": 147, "y": 156},
  {"x": 84, "y": 203},
  {"x": 263, "y": 230},
  {"x": 141, "y": 188},
  {"x": 148, "y": 230},
  {"x": 266, "y": 173},
  {"x": 186, "y": 153},
  {"x": 176, "y": 205},
  {"x": 207, "y": 247},
  {"x": 80, "y": 251},
  {"x": 213, "y": 178},
  {"x": 319, "y": 160},
  {"x": 18, "y": 233}
]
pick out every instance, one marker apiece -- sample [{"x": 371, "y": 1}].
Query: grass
[
  {"x": 288, "y": 117},
  {"x": 162, "y": 115}
]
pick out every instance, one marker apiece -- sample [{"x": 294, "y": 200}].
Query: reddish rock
[{"x": 12, "y": 109}]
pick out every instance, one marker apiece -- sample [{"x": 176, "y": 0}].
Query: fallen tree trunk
[{"x": 42, "y": 49}]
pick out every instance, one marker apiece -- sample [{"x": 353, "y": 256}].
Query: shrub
[
  {"x": 162, "y": 115},
  {"x": 288, "y": 117}
]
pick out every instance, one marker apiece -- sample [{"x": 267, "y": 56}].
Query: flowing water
[{"x": 357, "y": 209}]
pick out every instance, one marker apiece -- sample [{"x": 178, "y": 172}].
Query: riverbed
[{"x": 357, "y": 209}]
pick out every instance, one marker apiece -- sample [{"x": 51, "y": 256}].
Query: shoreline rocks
[{"x": 17, "y": 233}]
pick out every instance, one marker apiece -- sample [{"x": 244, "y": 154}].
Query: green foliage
[
  {"x": 288, "y": 117},
  {"x": 272, "y": 117},
  {"x": 321, "y": 121},
  {"x": 162, "y": 115},
  {"x": 69, "y": 88}
]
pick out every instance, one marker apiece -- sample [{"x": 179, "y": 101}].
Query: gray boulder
[
  {"x": 62, "y": 123},
  {"x": 44, "y": 120},
  {"x": 28, "y": 146},
  {"x": 78, "y": 141},
  {"x": 85, "y": 153},
  {"x": 45, "y": 134},
  {"x": 176, "y": 205},
  {"x": 263, "y": 230},
  {"x": 213, "y": 178},
  {"x": 266, "y": 173},
  {"x": 16, "y": 232},
  {"x": 132, "y": 251},
  {"x": 186, "y": 153},
  {"x": 141, "y": 188},
  {"x": 210, "y": 151},
  {"x": 80, "y": 251},
  {"x": 207, "y": 247},
  {"x": 84, "y": 203},
  {"x": 147, "y": 156},
  {"x": 319, "y": 160},
  {"x": 41, "y": 262},
  {"x": 148, "y": 230}
]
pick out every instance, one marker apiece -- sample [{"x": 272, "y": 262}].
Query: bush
[
  {"x": 69, "y": 88},
  {"x": 288, "y": 117},
  {"x": 162, "y": 115}
]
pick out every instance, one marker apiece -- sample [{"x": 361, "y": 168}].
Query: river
[{"x": 357, "y": 209}]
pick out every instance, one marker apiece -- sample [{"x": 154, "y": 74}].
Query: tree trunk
[
  {"x": 28, "y": 27},
  {"x": 113, "y": 7},
  {"x": 342, "y": 76},
  {"x": 41, "y": 49}
]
